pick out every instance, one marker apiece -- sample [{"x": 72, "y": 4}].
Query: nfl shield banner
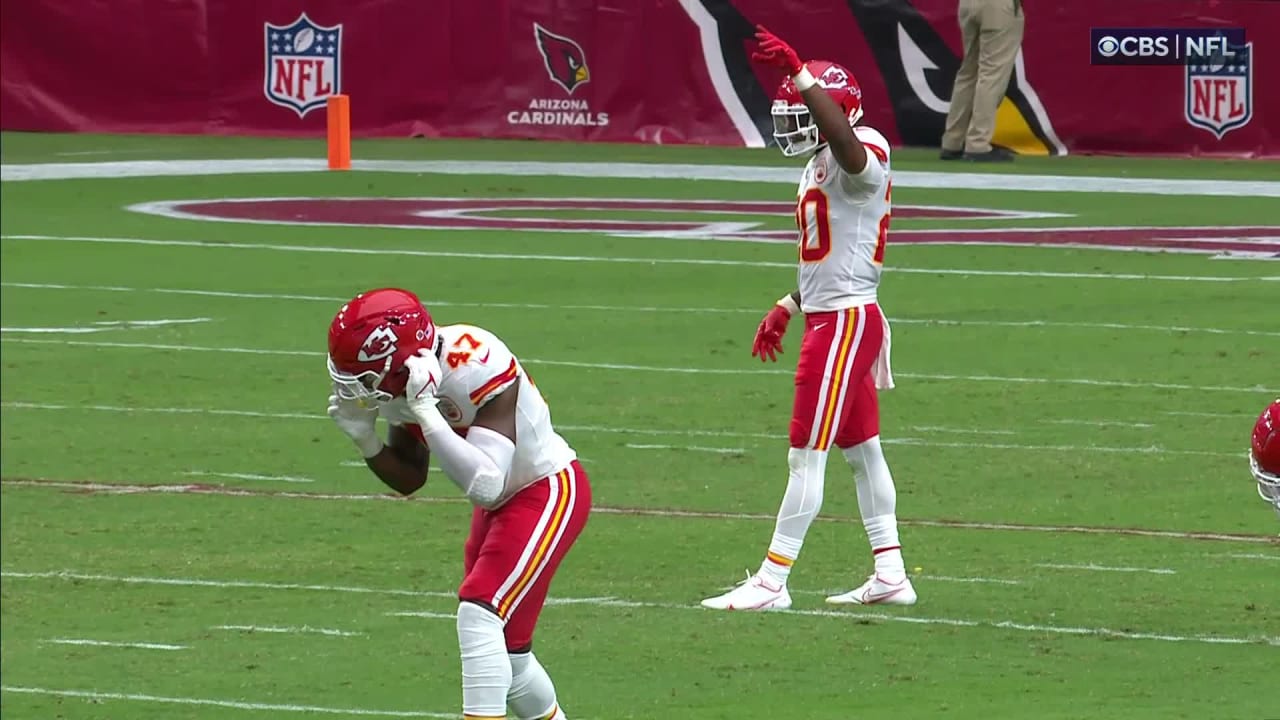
[
  {"x": 302, "y": 68},
  {"x": 1220, "y": 90}
]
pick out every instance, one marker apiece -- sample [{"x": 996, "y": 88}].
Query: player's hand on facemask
[{"x": 358, "y": 422}]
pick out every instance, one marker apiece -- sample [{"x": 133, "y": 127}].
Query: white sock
[
  {"x": 877, "y": 502},
  {"x": 532, "y": 695},
  {"x": 800, "y": 505},
  {"x": 486, "y": 668}
]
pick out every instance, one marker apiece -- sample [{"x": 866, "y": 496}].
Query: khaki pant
[{"x": 992, "y": 32}]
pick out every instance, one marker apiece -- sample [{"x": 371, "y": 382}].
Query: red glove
[
  {"x": 768, "y": 340},
  {"x": 774, "y": 51}
]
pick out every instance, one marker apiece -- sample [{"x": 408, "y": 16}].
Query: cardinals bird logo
[{"x": 565, "y": 61}]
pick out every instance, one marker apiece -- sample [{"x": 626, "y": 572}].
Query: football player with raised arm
[
  {"x": 457, "y": 393},
  {"x": 842, "y": 213}
]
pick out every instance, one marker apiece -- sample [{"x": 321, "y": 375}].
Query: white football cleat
[
  {"x": 878, "y": 591},
  {"x": 754, "y": 593}
]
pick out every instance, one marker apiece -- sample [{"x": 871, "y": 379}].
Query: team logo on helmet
[
  {"x": 566, "y": 62},
  {"x": 834, "y": 77},
  {"x": 381, "y": 343},
  {"x": 1220, "y": 90},
  {"x": 302, "y": 64}
]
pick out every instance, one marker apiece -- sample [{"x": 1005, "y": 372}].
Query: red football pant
[
  {"x": 513, "y": 552},
  {"x": 835, "y": 393}
]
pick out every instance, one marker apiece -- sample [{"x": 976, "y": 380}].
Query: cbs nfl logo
[
  {"x": 302, "y": 64},
  {"x": 1219, "y": 90}
]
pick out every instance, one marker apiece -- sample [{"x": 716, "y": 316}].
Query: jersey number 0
[{"x": 814, "y": 247}]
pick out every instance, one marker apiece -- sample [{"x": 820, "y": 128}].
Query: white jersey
[
  {"x": 843, "y": 221},
  {"x": 476, "y": 366}
]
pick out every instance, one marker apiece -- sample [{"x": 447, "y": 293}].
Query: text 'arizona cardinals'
[{"x": 566, "y": 66}]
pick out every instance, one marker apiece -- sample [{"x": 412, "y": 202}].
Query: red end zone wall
[{"x": 655, "y": 71}]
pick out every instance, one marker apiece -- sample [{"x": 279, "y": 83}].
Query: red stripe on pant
[
  {"x": 512, "y": 553},
  {"x": 835, "y": 396}
]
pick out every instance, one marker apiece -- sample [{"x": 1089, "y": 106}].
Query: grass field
[{"x": 185, "y": 535}]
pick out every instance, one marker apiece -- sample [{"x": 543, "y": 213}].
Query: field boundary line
[
  {"x": 840, "y": 614},
  {"x": 233, "y": 704},
  {"x": 940, "y": 322},
  {"x": 1093, "y": 382},
  {"x": 1024, "y": 182},
  {"x": 657, "y": 260},
  {"x": 652, "y": 432},
  {"x": 114, "y": 644},
  {"x": 106, "y": 488}
]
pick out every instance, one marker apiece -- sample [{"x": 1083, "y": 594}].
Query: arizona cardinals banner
[{"x": 655, "y": 71}]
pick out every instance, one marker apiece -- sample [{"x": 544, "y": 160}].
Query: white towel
[{"x": 880, "y": 369}]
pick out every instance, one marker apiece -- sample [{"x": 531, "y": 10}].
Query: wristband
[
  {"x": 369, "y": 445},
  {"x": 788, "y": 303},
  {"x": 804, "y": 79},
  {"x": 430, "y": 419}
]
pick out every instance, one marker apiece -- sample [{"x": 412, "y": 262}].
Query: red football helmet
[
  {"x": 1264, "y": 455},
  {"x": 793, "y": 125},
  {"x": 370, "y": 339}
]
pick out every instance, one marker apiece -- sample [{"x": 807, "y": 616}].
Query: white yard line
[
  {"x": 1100, "y": 423},
  {"x": 106, "y": 643},
  {"x": 424, "y": 614},
  {"x": 233, "y": 704},
  {"x": 1107, "y": 568},
  {"x": 140, "y": 489},
  {"x": 299, "y": 630},
  {"x": 1020, "y": 182},
  {"x": 936, "y": 322},
  {"x": 842, "y": 614},
  {"x": 249, "y": 476},
  {"x": 695, "y": 448},
  {"x": 524, "y": 257},
  {"x": 672, "y": 432},
  {"x": 1250, "y": 556},
  {"x": 266, "y": 352},
  {"x": 104, "y": 326}
]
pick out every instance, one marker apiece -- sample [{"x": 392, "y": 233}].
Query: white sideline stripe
[
  {"x": 249, "y": 476},
  {"x": 240, "y": 584},
  {"x": 698, "y": 448},
  {"x": 639, "y": 171},
  {"x": 644, "y": 308},
  {"x": 847, "y": 615},
  {"x": 106, "y": 643},
  {"x": 330, "y": 249},
  {"x": 1108, "y": 568},
  {"x": 1205, "y": 414},
  {"x": 138, "y": 489},
  {"x": 424, "y": 614},
  {"x": 1149, "y": 450},
  {"x": 676, "y": 370},
  {"x": 234, "y": 704},
  {"x": 1250, "y": 556},
  {"x": 304, "y": 629},
  {"x": 963, "y": 431},
  {"x": 1100, "y": 423},
  {"x": 105, "y": 326}
]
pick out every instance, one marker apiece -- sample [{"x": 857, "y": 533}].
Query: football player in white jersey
[
  {"x": 457, "y": 392},
  {"x": 842, "y": 212}
]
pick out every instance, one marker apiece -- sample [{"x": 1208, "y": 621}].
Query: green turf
[{"x": 1115, "y": 395}]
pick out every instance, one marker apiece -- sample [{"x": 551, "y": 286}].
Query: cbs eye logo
[{"x": 1108, "y": 46}]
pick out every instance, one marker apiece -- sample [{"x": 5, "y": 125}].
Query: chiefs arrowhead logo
[
  {"x": 381, "y": 343},
  {"x": 834, "y": 77},
  {"x": 566, "y": 62}
]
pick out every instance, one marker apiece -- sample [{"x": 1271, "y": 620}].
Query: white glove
[
  {"x": 421, "y": 391},
  {"x": 358, "y": 422}
]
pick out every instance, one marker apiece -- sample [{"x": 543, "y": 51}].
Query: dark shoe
[
  {"x": 995, "y": 154},
  {"x": 951, "y": 154}
]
